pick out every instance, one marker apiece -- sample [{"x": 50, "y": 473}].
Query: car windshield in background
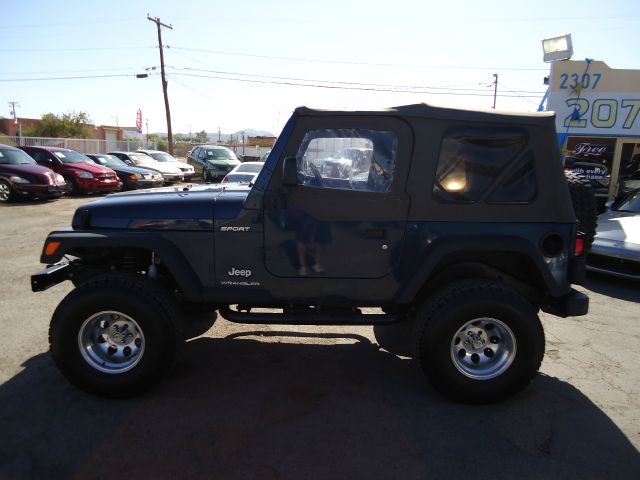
[
  {"x": 630, "y": 204},
  {"x": 162, "y": 157},
  {"x": 71, "y": 157},
  {"x": 220, "y": 154},
  {"x": 140, "y": 158},
  {"x": 15, "y": 157},
  {"x": 110, "y": 161},
  {"x": 239, "y": 177},
  {"x": 249, "y": 167}
]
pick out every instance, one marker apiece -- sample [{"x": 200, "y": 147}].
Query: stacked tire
[{"x": 584, "y": 205}]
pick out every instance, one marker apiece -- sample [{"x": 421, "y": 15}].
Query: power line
[
  {"x": 338, "y": 62},
  {"x": 83, "y": 77},
  {"x": 360, "y": 88}
]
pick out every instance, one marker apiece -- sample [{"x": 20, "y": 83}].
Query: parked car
[
  {"x": 216, "y": 161},
  {"x": 131, "y": 177},
  {"x": 347, "y": 162},
  {"x": 187, "y": 170},
  {"x": 170, "y": 172},
  {"x": 81, "y": 174},
  {"x": 21, "y": 176},
  {"x": 244, "y": 173},
  {"x": 264, "y": 157},
  {"x": 616, "y": 247}
]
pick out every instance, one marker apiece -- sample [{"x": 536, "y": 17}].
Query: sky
[{"x": 238, "y": 65}]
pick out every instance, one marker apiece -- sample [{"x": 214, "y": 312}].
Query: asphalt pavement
[{"x": 280, "y": 402}]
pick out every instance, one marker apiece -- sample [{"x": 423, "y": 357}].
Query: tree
[
  {"x": 67, "y": 125},
  {"x": 202, "y": 137}
]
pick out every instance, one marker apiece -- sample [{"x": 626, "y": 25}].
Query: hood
[
  {"x": 224, "y": 162},
  {"x": 87, "y": 167},
  {"x": 619, "y": 227},
  {"x": 131, "y": 169},
  {"x": 27, "y": 170},
  {"x": 162, "y": 209},
  {"x": 163, "y": 167}
]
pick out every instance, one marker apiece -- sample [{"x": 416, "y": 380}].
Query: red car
[
  {"x": 81, "y": 173},
  {"x": 20, "y": 176}
]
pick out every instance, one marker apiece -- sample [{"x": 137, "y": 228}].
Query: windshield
[
  {"x": 630, "y": 204},
  {"x": 140, "y": 158},
  {"x": 15, "y": 157},
  {"x": 71, "y": 157},
  {"x": 220, "y": 154},
  {"x": 109, "y": 161},
  {"x": 163, "y": 157},
  {"x": 249, "y": 167}
]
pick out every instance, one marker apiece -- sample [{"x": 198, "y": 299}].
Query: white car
[
  {"x": 169, "y": 171},
  {"x": 187, "y": 170},
  {"x": 244, "y": 173},
  {"x": 616, "y": 247}
]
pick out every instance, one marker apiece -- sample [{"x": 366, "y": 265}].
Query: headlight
[
  {"x": 135, "y": 177},
  {"x": 60, "y": 178},
  {"x": 84, "y": 175},
  {"x": 147, "y": 176},
  {"x": 18, "y": 180}
]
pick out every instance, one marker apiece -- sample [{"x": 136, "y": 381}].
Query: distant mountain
[
  {"x": 225, "y": 137},
  {"x": 250, "y": 132}
]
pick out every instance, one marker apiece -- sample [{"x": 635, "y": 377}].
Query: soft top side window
[
  {"x": 348, "y": 159},
  {"x": 494, "y": 163}
]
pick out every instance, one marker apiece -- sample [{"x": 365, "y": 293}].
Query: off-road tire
[
  {"x": 396, "y": 338},
  {"x": 197, "y": 318},
  {"x": 585, "y": 206},
  {"x": 470, "y": 307},
  {"x": 122, "y": 296}
]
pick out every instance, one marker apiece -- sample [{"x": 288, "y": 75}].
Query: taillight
[
  {"x": 579, "y": 247},
  {"x": 225, "y": 179}
]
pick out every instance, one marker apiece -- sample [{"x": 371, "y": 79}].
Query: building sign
[
  {"x": 139, "y": 121},
  {"x": 591, "y": 99},
  {"x": 589, "y": 150}
]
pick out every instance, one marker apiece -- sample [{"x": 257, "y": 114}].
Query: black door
[{"x": 346, "y": 217}]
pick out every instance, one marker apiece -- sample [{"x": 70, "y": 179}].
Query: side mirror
[{"x": 290, "y": 172}]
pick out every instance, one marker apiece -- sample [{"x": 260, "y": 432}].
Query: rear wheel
[
  {"x": 478, "y": 341},
  {"x": 115, "y": 335}
]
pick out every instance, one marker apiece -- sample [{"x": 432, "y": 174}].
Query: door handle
[{"x": 376, "y": 233}]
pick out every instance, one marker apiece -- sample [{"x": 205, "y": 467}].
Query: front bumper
[
  {"x": 50, "y": 276},
  {"x": 172, "y": 178},
  {"x": 99, "y": 185},
  {"x": 39, "y": 190}
]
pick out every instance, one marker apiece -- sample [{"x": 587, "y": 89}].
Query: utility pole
[
  {"x": 15, "y": 117},
  {"x": 495, "y": 89},
  {"x": 164, "y": 80}
]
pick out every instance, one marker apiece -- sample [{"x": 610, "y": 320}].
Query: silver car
[{"x": 616, "y": 248}]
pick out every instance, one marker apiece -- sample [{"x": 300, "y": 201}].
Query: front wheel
[
  {"x": 115, "y": 335},
  {"x": 6, "y": 193},
  {"x": 479, "y": 342}
]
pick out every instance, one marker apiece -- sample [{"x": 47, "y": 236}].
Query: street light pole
[{"x": 164, "y": 80}]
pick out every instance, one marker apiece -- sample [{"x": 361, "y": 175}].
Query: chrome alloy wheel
[
  {"x": 5, "y": 192},
  {"x": 483, "y": 348},
  {"x": 111, "y": 342}
]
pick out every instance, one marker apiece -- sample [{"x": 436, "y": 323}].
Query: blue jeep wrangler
[{"x": 457, "y": 226}]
